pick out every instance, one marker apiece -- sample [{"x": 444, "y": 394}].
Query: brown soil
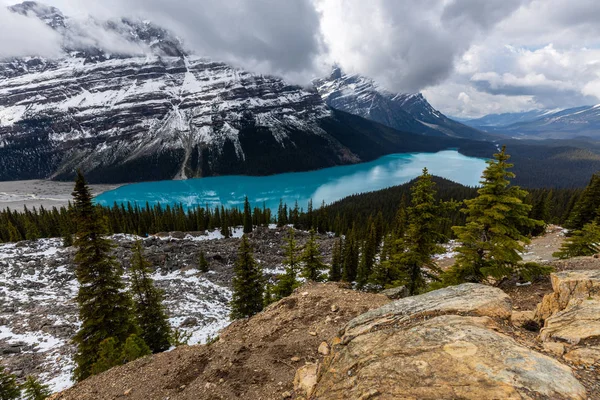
[{"x": 253, "y": 359}]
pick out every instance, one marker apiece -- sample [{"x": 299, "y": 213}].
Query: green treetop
[
  {"x": 248, "y": 284},
  {"x": 491, "y": 240},
  {"x": 104, "y": 305},
  {"x": 311, "y": 257},
  {"x": 149, "y": 310},
  {"x": 288, "y": 281}
]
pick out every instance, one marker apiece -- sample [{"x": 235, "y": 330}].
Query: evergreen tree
[
  {"x": 34, "y": 390},
  {"x": 104, "y": 306},
  {"x": 135, "y": 347},
  {"x": 268, "y": 295},
  {"x": 9, "y": 390},
  {"x": 367, "y": 259},
  {"x": 412, "y": 258},
  {"x": 247, "y": 284},
  {"x": 383, "y": 273},
  {"x": 13, "y": 233},
  {"x": 247, "y": 216},
  {"x": 32, "y": 231},
  {"x": 491, "y": 240},
  {"x": 225, "y": 231},
  {"x": 586, "y": 208},
  {"x": 311, "y": 257},
  {"x": 202, "y": 263},
  {"x": 288, "y": 281},
  {"x": 335, "y": 271},
  {"x": 108, "y": 356},
  {"x": 350, "y": 257},
  {"x": 584, "y": 242},
  {"x": 149, "y": 310}
]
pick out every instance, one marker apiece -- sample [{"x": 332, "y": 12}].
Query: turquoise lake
[{"x": 327, "y": 185}]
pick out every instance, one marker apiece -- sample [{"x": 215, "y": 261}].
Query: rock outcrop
[
  {"x": 571, "y": 316},
  {"x": 445, "y": 344}
]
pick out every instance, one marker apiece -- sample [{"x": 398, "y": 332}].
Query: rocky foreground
[{"x": 470, "y": 342}]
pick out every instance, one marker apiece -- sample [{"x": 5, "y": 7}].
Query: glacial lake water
[{"x": 329, "y": 184}]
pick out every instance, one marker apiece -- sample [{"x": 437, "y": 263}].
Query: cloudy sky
[{"x": 469, "y": 57}]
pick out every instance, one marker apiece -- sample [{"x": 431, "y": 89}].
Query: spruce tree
[
  {"x": 412, "y": 258},
  {"x": 491, "y": 240},
  {"x": 383, "y": 273},
  {"x": 9, "y": 389},
  {"x": 32, "y": 231},
  {"x": 135, "y": 347},
  {"x": 13, "y": 233},
  {"x": 288, "y": 281},
  {"x": 247, "y": 284},
  {"x": 34, "y": 390},
  {"x": 311, "y": 257},
  {"x": 104, "y": 306},
  {"x": 583, "y": 242},
  {"x": 350, "y": 257},
  {"x": 202, "y": 263},
  {"x": 150, "y": 314},
  {"x": 247, "y": 216},
  {"x": 587, "y": 206},
  {"x": 335, "y": 271},
  {"x": 108, "y": 356},
  {"x": 367, "y": 258},
  {"x": 225, "y": 230}
]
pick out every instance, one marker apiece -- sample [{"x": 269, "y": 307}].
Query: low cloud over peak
[{"x": 469, "y": 57}]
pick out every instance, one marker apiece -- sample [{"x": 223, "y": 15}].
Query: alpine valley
[{"x": 155, "y": 111}]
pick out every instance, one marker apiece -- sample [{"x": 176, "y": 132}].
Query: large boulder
[
  {"x": 465, "y": 299},
  {"x": 445, "y": 344},
  {"x": 568, "y": 285},
  {"x": 576, "y": 324}
]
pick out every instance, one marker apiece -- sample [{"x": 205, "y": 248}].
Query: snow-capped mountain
[
  {"x": 547, "y": 124},
  {"x": 491, "y": 121},
  {"x": 145, "y": 109},
  {"x": 362, "y": 96}
]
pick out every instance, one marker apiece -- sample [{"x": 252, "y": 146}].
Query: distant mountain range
[
  {"x": 168, "y": 114},
  {"x": 543, "y": 124},
  {"x": 362, "y": 96}
]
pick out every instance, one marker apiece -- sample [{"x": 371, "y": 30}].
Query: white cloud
[{"x": 26, "y": 36}]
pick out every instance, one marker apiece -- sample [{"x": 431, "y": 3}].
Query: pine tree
[
  {"x": 367, "y": 259},
  {"x": 109, "y": 355},
  {"x": 268, "y": 295},
  {"x": 13, "y": 233},
  {"x": 34, "y": 390},
  {"x": 288, "y": 281},
  {"x": 225, "y": 231},
  {"x": 32, "y": 232},
  {"x": 584, "y": 242},
  {"x": 311, "y": 257},
  {"x": 247, "y": 284},
  {"x": 586, "y": 208},
  {"x": 135, "y": 347},
  {"x": 247, "y": 216},
  {"x": 202, "y": 263},
  {"x": 104, "y": 306},
  {"x": 149, "y": 310},
  {"x": 412, "y": 259},
  {"x": 9, "y": 390},
  {"x": 383, "y": 273},
  {"x": 335, "y": 271},
  {"x": 350, "y": 257},
  {"x": 491, "y": 240}
]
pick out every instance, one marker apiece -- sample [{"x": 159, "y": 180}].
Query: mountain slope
[
  {"x": 155, "y": 112},
  {"x": 362, "y": 96},
  {"x": 493, "y": 121},
  {"x": 545, "y": 124}
]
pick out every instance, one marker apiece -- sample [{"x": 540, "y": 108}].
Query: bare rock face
[
  {"x": 568, "y": 285},
  {"x": 468, "y": 298},
  {"x": 444, "y": 344},
  {"x": 578, "y": 323}
]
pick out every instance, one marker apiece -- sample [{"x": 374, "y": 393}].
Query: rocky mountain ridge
[{"x": 147, "y": 109}]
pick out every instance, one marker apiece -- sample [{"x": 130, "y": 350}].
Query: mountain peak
[{"x": 52, "y": 16}]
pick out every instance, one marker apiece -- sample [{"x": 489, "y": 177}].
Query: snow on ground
[{"x": 38, "y": 314}]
